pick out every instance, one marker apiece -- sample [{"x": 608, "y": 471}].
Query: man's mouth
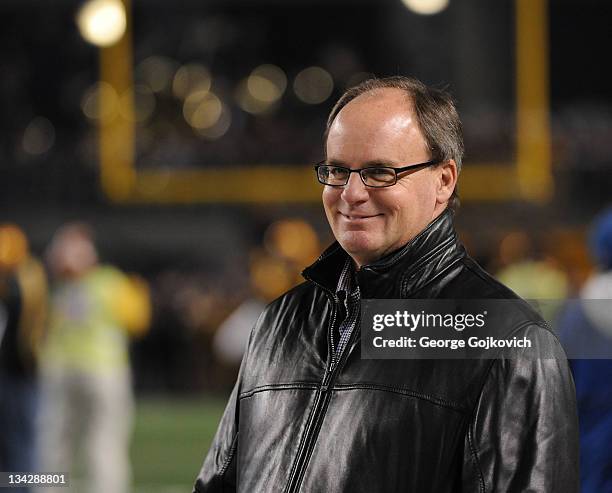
[{"x": 359, "y": 217}]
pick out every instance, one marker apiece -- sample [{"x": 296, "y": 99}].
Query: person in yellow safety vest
[{"x": 95, "y": 309}]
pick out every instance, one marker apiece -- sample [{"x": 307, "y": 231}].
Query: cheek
[
  {"x": 330, "y": 198},
  {"x": 399, "y": 206},
  {"x": 416, "y": 201},
  {"x": 404, "y": 213}
]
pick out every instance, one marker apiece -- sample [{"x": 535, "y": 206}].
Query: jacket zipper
[{"x": 320, "y": 406}]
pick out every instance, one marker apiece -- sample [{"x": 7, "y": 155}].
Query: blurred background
[{"x": 168, "y": 148}]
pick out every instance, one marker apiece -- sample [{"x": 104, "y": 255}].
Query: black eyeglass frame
[{"x": 359, "y": 170}]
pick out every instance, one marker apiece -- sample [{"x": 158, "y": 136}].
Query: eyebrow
[{"x": 373, "y": 163}]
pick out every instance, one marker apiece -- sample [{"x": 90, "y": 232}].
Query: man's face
[
  {"x": 380, "y": 129},
  {"x": 73, "y": 255}
]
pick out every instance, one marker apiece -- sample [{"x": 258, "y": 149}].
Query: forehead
[{"x": 379, "y": 124}]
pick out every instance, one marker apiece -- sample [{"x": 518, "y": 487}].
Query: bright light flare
[
  {"x": 102, "y": 22},
  {"x": 191, "y": 78},
  {"x": 426, "y": 7},
  {"x": 202, "y": 109},
  {"x": 313, "y": 85},
  {"x": 220, "y": 128},
  {"x": 267, "y": 83}
]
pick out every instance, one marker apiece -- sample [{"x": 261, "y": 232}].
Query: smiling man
[
  {"x": 309, "y": 414},
  {"x": 379, "y": 130}
]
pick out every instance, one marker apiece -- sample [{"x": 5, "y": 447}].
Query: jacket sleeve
[
  {"x": 523, "y": 433},
  {"x": 218, "y": 472}
]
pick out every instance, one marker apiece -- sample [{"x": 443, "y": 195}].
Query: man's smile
[{"x": 358, "y": 217}]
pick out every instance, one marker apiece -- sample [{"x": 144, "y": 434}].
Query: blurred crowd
[
  {"x": 66, "y": 324},
  {"x": 65, "y": 377}
]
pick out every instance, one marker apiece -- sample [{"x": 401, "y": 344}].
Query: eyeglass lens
[{"x": 374, "y": 177}]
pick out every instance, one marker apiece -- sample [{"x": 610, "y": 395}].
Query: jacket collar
[{"x": 400, "y": 273}]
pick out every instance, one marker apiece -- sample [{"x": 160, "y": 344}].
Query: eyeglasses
[{"x": 374, "y": 176}]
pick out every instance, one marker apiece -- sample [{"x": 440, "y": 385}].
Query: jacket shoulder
[
  {"x": 481, "y": 284},
  {"x": 294, "y": 304},
  {"x": 475, "y": 283},
  {"x": 297, "y": 297}
]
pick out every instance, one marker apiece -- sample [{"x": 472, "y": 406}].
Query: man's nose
[{"x": 355, "y": 191}]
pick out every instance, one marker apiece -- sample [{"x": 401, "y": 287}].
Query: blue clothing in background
[{"x": 593, "y": 379}]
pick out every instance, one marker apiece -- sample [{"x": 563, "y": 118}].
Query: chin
[{"x": 357, "y": 243}]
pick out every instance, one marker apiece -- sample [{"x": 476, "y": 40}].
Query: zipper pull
[{"x": 325, "y": 384}]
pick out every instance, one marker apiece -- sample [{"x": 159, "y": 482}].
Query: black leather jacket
[{"x": 294, "y": 424}]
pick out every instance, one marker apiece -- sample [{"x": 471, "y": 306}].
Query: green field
[{"x": 171, "y": 437}]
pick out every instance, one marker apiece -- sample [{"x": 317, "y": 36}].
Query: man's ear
[{"x": 447, "y": 180}]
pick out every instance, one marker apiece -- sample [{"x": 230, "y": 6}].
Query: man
[
  {"x": 87, "y": 391},
  {"x": 308, "y": 414}
]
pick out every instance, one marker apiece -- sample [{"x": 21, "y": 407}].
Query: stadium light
[
  {"x": 102, "y": 22},
  {"x": 426, "y": 7}
]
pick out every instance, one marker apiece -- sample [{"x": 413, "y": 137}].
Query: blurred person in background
[
  {"x": 308, "y": 413},
  {"x": 87, "y": 390},
  {"x": 23, "y": 310},
  {"x": 536, "y": 278},
  {"x": 586, "y": 331},
  {"x": 289, "y": 246},
  {"x": 270, "y": 277}
]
